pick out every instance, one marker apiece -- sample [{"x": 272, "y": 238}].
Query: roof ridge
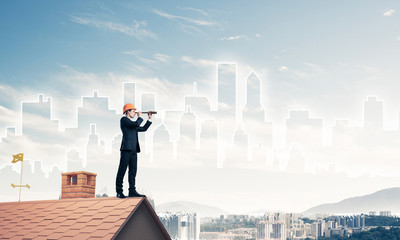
[{"x": 67, "y": 200}]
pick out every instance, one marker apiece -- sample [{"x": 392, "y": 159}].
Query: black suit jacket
[{"x": 130, "y": 129}]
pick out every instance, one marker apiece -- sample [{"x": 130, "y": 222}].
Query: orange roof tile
[{"x": 74, "y": 218}]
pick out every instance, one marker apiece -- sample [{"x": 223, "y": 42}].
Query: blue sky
[
  {"x": 323, "y": 56},
  {"x": 38, "y": 36},
  {"x": 49, "y": 31},
  {"x": 343, "y": 40}
]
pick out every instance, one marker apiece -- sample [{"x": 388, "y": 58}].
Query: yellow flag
[{"x": 18, "y": 157}]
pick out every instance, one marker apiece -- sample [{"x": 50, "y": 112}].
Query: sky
[
  {"x": 326, "y": 57},
  {"x": 309, "y": 54}
]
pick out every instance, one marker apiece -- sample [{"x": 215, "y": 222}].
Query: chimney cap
[{"x": 79, "y": 172}]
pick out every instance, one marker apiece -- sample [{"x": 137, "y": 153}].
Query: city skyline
[
  {"x": 292, "y": 158},
  {"x": 267, "y": 99},
  {"x": 373, "y": 119}
]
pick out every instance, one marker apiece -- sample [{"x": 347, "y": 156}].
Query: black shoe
[
  {"x": 136, "y": 194},
  {"x": 120, "y": 195}
]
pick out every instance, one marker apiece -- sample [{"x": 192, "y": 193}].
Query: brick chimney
[{"x": 79, "y": 184}]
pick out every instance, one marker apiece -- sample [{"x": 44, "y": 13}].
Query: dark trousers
[{"x": 128, "y": 158}]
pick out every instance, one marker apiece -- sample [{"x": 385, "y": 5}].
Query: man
[{"x": 129, "y": 149}]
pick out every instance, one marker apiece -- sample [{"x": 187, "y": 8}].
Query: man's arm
[
  {"x": 126, "y": 122},
  {"x": 147, "y": 124},
  {"x": 145, "y": 127}
]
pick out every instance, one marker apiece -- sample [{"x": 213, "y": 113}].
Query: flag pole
[{"x": 20, "y": 182}]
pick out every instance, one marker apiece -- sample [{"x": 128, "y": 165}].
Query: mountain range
[{"x": 383, "y": 200}]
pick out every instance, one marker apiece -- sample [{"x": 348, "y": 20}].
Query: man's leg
[
  {"x": 132, "y": 172},
  {"x": 123, "y": 164},
  {"x": 132, "y": 176}
]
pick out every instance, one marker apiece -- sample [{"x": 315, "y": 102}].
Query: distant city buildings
[
  {"x": 271, "y": 230},
  {"x": 385, "y": 213},
  {"x": 282, "y": 226},
  {"x": 181, "y": 226}
]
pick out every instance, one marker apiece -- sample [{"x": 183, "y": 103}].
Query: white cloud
[
  {"x": 185, "y": 19},
  {"x": 157, "y": 57},
  {"x": 5, "y": 110},
  {"x": 139, "y": 69},
  {"x": 314, "y": 68},
  {"x": 145, "y": 60},
  {"x": 398, "y": 38},
  {"x": 76, "y": 84},
  {"x": 10, "y": 104},
  {"x": 8, "y": 118},
  {"x": 162, "y": 57},
  {"x": 227, "y": 68},
  {"x": 137, "y": 29},
  {"x": 258, "y": 35},
  {"x": 105, "y": 9},
  {"x": 194, "y": 10},
  {"x": 111, "y": 84},
  {"x": 190, "y": 29},
  {"x": 132, "y": 52},
  {"x": 283, "y": 68},
  {"x": 232, "y": 38},
  {"x": 199, "y": 62},
  {"x": 12, "y": 96},
  {"x": 389, "y": 13}
]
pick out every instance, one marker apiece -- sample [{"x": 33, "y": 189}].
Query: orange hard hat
[{"x": 127, "y": 107}]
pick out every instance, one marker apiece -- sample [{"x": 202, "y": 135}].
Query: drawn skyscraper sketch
[
  {"x": 227, "y": 96},
  {"x": 186, "y": 146},
  {"x": 237, "y": 155},
  {"x": 48, "y": 143},
  {"x": 253, "y": 115},
  {"x": 74, "y": 161},
  {"x": 342, "y": 134},
  {"x": 373, "y": 114},
  {"x": 227, "y": 88},
  {"x": 209, "y": 143},
  {"x": 253, "y": 108},
  {"x": 302, "y": 129},
  {"x": 148, "y": 101},
  {"x": 296, "y": 161},
  {"x": 11, "y": 142},
  {"x": 200, "y": 105},
  {"x": 172, "y": 121},
  {"x": 259, "y": 156},
  {"x": 129, "y": 93},
  {"x": 162, "y": 147},
  {"x": 36, "y": 119},
  {"x": 95, "y": 110}
]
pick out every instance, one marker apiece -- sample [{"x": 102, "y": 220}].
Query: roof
[{"x": 75, "y": 218}]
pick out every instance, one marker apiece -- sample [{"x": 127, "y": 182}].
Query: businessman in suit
[{"x": 129, "y": 149}]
